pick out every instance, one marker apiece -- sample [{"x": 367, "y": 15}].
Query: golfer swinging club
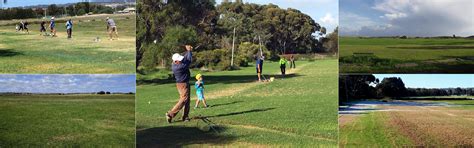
[
  {"x": 111, "y": 28},
  {"x": 259, "y": 66},
  {"x": 181, "y": 73}
]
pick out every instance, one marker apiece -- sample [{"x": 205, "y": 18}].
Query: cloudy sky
[
  {"x": 433, "y": 80},
  {"x": 21, "y": 3},
  {"x": 324, "y": 12},
  {"x": 67, "y": 83},
  {"x": 406, "y": 17}
]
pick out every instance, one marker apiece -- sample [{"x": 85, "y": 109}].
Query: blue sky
[
  {"x": 324, "y": 12},
  {"x": 433, "y": 80},
  {"x": 67, "y": 83},
  {"x": 20, "y": 3},
  {"x": 406, "y": 17}
]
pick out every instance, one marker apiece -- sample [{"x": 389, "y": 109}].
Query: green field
[
  {"x": 299, "y": 110},
  {"x": 410, "y": 126},
  {"x": 413, "y": 55},
  {"x": 67, "y": 120},
  {"x": 35, "y": 53}
]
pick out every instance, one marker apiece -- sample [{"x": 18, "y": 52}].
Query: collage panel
[
  {"x": 236, "y": 74},
  {"x": 67, "y": 37},
  {"x": 409, "y": 36},
  {"x": 406, "y": 110},
  {"x": 67, "y": 110}
]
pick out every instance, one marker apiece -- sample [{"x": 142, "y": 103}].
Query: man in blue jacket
[{"x": 182, "y": 74}]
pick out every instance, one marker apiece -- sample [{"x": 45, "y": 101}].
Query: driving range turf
[
  {"x": 298, "y": 110},
  {"x": 413, "y": 55},
  {"x": 410, "y": 126},
  {"x": 35, "y": 53},
  {"x": 67, "y": 120}
]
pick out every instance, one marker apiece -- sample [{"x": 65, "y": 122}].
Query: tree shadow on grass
[
  {"x": 178, "y": 136},
  {"x": 239, "y": 113},
  {"x": 222, "y": 79},
  {"x": 460, "y": 64},
  {"x": 441, "y": 47},
  {"x": 223, "y": 104},
  {"x": 9, "y": 53}
]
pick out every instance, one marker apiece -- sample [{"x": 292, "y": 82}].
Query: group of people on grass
[
  {"x": 23, "y": 26},
  {"x": 180, "y": 68}
]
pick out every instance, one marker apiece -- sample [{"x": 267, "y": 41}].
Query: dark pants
[
  {"x": 283, "y": 69},
  {"x": 292, "y": 64},
  {"x": 69, "y": 33},
  {"x": 183, "y": 102}
]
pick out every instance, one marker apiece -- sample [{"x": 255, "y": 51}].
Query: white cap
[
  {"x": 52, "y": 18},
  {"x": 177, "y": 57}
]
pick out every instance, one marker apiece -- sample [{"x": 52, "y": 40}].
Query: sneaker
[
  {"x": 168, "y": 118},
  {"x": 186, "y": 119}
]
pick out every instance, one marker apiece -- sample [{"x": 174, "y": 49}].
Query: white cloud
[
  {"x": 328, "y": 20},
  {"x": 420, "y": 18},
  {"x": 352, "y": 23},
  {"x": 66, "y": 83}
]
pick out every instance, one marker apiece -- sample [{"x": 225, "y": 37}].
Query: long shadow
[
  {"x": 441, "y": 47},
  {"x": 9, "y": 53},
  {"x": 448, "y": 43},
  {"x": 222, "y": 79},
  {"x": 179, "y": 136},
  {"x": 242, "y": 112},
  {"x": 223, "y": 104},
  {"x": 352, "y": 113},
  {"x": 463, "y": 64}
]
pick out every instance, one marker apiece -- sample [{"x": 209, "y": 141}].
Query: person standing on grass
[
  {"x": 69, "y": 28},
  {"x": 282, "y": 65},
  {"x": 42, "y": 28},
  {"x": 199, "y": 85},
  {"x": 52, "y": 26},
  {"x": 111, "y": 28},
  {"x": 259, "y": 67},
  {"x": 182, "y": 74},
  {"x": 292, "y": 62},
  {"x": 25, "y": 27}
]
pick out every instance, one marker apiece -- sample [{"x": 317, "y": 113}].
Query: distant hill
[{"x": 113, "y": 1}]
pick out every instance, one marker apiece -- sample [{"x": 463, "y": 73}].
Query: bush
[
  {"x": 81, "y": 12},
  {"x": 370, "y": 60},
  {"x": 217, "y": 59}
]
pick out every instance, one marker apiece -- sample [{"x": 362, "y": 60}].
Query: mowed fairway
[
  {"x": 299, "y": 110},
  {"x": 35, "y": 53},
  {"x": 409, "y": 124},
  {"x": 67, "y": 120},
  {"x": 393, "y": 55}
]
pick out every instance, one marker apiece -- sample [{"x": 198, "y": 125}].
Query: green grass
[
  {"x": 67, "y": 120},
  {"x": 406, "y": 55},
  {"x": 299, "y": 110},
  {"x": 34, "y": 53},
  {"x": 371, "y": 131},
  {"x": 463, "y": 104}
]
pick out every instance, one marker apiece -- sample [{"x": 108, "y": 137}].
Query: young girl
[{"x": 200, "y": 91}]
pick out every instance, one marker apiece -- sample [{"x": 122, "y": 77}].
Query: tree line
[
  {"x": 76, "y": 9},
  {"x": 356, "y": 87},
  {"x": 164, "y": 27}
]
